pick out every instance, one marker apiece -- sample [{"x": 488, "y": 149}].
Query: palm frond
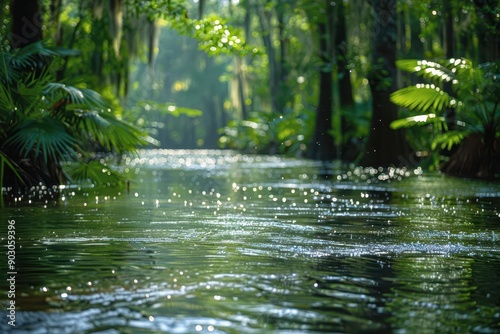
[
  {"x": 93, "y": 171},
  {"x": 43, "y": 135},
  {"x": 422, "y": 97},
  {"x": 28, "y": 56},
  {"x": 111, "y": 132},
  {"x": 6, "y": 100},
  {"x": 57, "y": 92},
  {"x": 5, "y": 161},
  {"x": 425, "y": 119},
  {"x": 429, "y": 70},
  {"x": 448, "y": 139}
]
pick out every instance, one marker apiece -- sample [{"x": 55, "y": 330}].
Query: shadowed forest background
[{"x": 373, "y": 83}]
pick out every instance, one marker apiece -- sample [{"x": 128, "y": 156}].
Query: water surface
[{"x": 217, "y": 242}]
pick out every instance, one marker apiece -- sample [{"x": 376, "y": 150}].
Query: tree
[
  {"x": 346, "y": 100},
  {"x": 488, "y": 29},
  {"x": 322, "y": 146},
  {"x": 277, "y": 57},
  {"x": 385, "y": 146},
  {"x": 26, "y": 23}
]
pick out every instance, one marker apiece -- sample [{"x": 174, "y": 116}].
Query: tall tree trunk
[
  {"x": 349, "y": 150},
  {"x": 385, "y": 146},
  {"x": 322, "y": 146},
  {"x": 448, "y": 31},
  {"x": 282, "y": 68},
  {"x": 265, "y": 24},
  {"x": 488, "y": 30},
  {"x": 26, "y": 23}
]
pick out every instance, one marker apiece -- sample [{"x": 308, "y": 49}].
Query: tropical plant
[
  {"x": 460, "y": 102},
  {"x": 270, "y": 132},
  {"x": 44, "y": 122}
]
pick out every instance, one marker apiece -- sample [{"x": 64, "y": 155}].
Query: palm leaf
[
  {"x": 425, "y": 119},
  {"x": 93, "y": 171},
  {"x": 448, "y": 139},
  {"x": 6, "y": 100},
  {"x": 427, "y": 69},
  {"x": 57, "y": 91},
  {"x": 425, "y": 98},
  {"x": 43, "y": 135},
  {"x": 111, "y": 132},
  {"x": 29, "y": 55},
  {"x": 5, "y": 161}
]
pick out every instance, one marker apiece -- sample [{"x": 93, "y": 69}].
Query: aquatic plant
[
  {"x": 44, "y": 122},
  {"x": 460, "y": 102}
]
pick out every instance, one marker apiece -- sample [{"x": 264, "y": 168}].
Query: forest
[{"x": 368, "y": 83}]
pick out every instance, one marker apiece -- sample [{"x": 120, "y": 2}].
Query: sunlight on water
[{"x": 220, "y": 242}]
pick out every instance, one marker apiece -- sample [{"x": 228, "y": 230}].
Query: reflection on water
[{"x": 216, "y": 242}]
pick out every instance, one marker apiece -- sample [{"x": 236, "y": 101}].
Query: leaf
[
  {"x": 425, "y": 98},
  {"x": 448, "y": 139},
  {"x": 93, "y": 171},
  {"x": 5, "y": 161},
  {"x": 169, "y": 109},
  {"x": 427, "y": 69},
  {"x": 418, "y": 120},
  {"x": 43, "y": 135},
  {"x": 57, "y": 91},
  {"x": 111, "y": 132}
]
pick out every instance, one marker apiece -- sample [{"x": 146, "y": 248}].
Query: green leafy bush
[
  {"x": 44, "y": 122},
  {"x": 267, "y": 132},
  {"x": 459, "y": 101}
]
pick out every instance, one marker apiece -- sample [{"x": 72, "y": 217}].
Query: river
[{"x": 221, "y": 242}]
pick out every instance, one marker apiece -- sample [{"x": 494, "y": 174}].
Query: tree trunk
[
  {"x": 385, "y": 146},
  {"x": 476, "y": 157},
  {"x": 349, "y": 150},
  {"x": 322, "y": 146},
  {"x": 26, "y": 23},
  {"x": 265, "y": 24},
  {"x": 488, "y": 30}
]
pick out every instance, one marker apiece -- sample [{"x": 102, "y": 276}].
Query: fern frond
[
  {"x": 426, "y": 119},
  {"x": 448, "y": 139},
  {"x": 429, "y": 70},
  {"x": 422, "y": 97}
]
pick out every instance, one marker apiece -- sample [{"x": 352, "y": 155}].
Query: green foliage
[
  {"x": 284, "y": 133},
  {"x": 168, "y": 109},
  {"x": 44, "y": 122},
  {"x": 94, "y": 170},
  {"x": 471, "y": 91},
  {"x": 422, "y": 97},
  {"x": 214, "y": 35}
]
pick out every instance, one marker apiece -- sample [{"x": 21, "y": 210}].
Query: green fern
[
  {"x": 472, "y": 92},
  {"x": 446, "y": 140},
  {"x": 423, "y": 98},
  {"x": 426, "y": 119}
]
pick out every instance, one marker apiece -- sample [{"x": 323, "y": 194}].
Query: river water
[{"x": 218, "y": 242}]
